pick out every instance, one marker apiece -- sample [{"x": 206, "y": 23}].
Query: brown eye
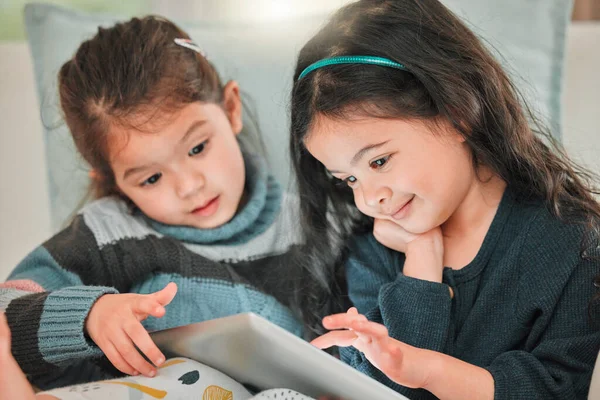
[
  {"x": 197, "y": 149},
  {"x": 380, "y": 162},
  {"x": 152, "y": 180},
  {"x": 351, "y": 180}
]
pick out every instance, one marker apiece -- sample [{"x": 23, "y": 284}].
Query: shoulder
[
  {"x": 111, "y": 219},
  {"x": 106, "y": 206},
  {"x": 290, "y": 204},
  {"x": 545, "y": 238},
  {"x": 288, "y": 219},
  {"x": 553, "y": 254}
]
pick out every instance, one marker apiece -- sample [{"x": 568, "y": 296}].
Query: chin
[
  {"x": 417, "y": 227},
  {"x": 215, "y": 222}
]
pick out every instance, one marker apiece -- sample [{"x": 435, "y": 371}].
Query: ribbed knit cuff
[
  {"x": 23, "y": 315},
  {"x": 416, "y": 311},
  {"x": 61, "y": 332},
  {"x": 425, "y": 287},
  {"x": 501, "y": 383}
]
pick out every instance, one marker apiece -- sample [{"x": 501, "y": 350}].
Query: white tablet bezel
[{"x": 258, "y": 353}]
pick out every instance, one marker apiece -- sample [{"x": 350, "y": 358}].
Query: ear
[
  {"x": 96, "y": 176},
  {"x": 459, "y": 137},
  {"x": 232, "y": 103}
]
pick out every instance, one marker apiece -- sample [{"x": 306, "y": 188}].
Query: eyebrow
[
  {"x": 361, "y": 153},
  {"x": 197, "y": 124},
  {"x": 190, "y": 130}
]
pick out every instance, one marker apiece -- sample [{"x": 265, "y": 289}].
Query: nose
[
  {"x": 188, "y": 183},
  {"x": 376, "y": 195}
]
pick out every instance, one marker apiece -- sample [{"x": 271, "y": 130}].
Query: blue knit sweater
[{"x": 239, "y": 267}]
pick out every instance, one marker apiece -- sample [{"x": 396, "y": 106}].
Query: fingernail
[
  {"x": 159, "y": 361},
  {"x": 136, "y": 373},
  {"x": 152, "y": 373}
]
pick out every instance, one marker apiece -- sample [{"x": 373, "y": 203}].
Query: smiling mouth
[
  {"x": 205, "y": 205},
  {"x": 399, "y": 213}
]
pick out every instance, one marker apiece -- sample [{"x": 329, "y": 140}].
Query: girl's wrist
[
  {"x": 424, "y": 262},
  {"x": 433, "y": 362},
  {"x": 429, "y": 365},
  {"x": 450, "y": 378},
  {"x": 427, "y": 244}
]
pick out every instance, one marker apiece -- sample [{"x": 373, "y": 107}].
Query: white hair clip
[{"x": 188, "y": 43}]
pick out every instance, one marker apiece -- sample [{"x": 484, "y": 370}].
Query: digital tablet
[{"x": 260, "y": 354}]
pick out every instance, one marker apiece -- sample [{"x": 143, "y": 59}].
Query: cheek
[
  {"x": 434, "y": 173},
  {"x": 445, "y": 189},
  {"x": 226, "y": 165},
  {"x": 154, "y": 203},
  {"x": 455, "y": 175},
  {"x": 238, "y": 176},
  {"x": 360, "y": 203}
]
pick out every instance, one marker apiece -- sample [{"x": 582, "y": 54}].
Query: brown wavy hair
[{"x": 127, "y": 75}]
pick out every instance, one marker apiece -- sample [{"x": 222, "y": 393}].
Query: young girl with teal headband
[
  {"x": 188, "y": 224},
  {"x": 471, "y": 238}
]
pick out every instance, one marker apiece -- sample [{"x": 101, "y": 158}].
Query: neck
[{"x": 478, "y": 208}]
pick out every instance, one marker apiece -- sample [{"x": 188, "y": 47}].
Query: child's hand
[
  {"x": 397, "y": 360},
  {"x": 114, "y": 325},
  {"x": 424, "y": 252},
  {"x": 392, "y": 235},
  {"x": 13, "y": 384}
]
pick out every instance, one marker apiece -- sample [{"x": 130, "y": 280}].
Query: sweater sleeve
[
  {"x": 414, "y": 311},
  {"x": 46, "y": 304},
  {"x": 557, "y": 359}
]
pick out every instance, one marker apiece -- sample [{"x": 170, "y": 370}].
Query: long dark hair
[{"x": 450, "y": 76}]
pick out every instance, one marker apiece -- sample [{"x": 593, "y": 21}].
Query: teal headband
[{"x": 373, "y": 60}]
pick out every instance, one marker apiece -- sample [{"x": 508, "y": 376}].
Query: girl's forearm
[{"x": 451, "y": 378}]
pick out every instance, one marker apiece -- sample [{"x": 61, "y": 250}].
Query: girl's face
[
  {"x": 399, "y": 170},
  {"x": 191, "y": 172}
]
